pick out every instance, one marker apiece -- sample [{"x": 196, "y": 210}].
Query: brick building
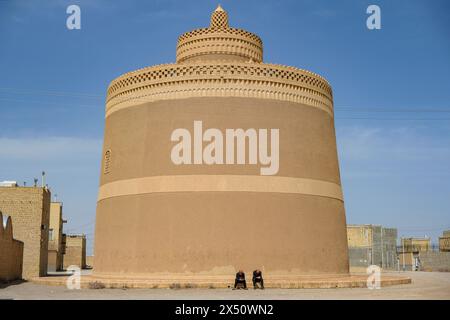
[
  {"x": 418, "y": 254},
  {"x": 11, "y": 252},
  {"x": 29, "y": 208},
  {"x": 56, "y": 247},
  {"x": 415, "y": 244},
  {"x": 410, "y": 250},
  {"x": 444, "y": 242},
  {"x": 75, "y": 251}
]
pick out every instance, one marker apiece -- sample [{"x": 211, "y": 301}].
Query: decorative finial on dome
[{"x": 219, "y": 19}]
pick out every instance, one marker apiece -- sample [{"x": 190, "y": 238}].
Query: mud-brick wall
[
  {"x": 11, "y": 252},
  {"x": 435, "y": 261}
]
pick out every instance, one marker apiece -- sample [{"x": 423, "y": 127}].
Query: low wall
[
  {"x": 11, "y": 253},
  {"x": 10, "y": 260},
  {"x": 435, "y": 261}
]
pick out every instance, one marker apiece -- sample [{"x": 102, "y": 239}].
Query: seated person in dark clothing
[
  {"x": 240, "y": 282},
  {"x": 258, "y": 279}
]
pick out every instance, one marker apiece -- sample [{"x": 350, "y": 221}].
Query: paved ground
[{"x": 425, "y": 285}]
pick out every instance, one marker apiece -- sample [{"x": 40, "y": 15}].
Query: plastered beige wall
[
  {"x": 11, "y": 253},
  {"x": 359, "y": 236},
  {"x": 55, "y": 246},
  {"x": 216, "y": 232},
  {"x": 29, "y": 209},
  {"x": 75, "y": 251}
]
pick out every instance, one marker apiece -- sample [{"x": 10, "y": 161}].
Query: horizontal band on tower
[{"x": 220, "y": 183}]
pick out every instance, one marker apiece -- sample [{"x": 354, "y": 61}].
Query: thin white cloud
[
  {"x": 392, "y": 145},
  {"x": 48, "y": 148}
]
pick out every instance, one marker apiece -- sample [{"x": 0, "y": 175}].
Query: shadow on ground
[{"x": 4, "y": 285}]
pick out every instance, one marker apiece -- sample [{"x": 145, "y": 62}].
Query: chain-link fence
[{"x": 383, "y": 256}]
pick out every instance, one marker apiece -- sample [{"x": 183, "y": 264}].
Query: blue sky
[{"x": 391, "y": 90}]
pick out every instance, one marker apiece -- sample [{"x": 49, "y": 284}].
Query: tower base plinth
[{"x": 217, "y": 282}]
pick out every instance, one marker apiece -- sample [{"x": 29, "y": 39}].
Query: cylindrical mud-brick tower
[{"x": 219, "y": 162}]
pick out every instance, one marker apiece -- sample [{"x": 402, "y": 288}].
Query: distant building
[
  {"x": 415, "y": 244},
  {"x": 372, "y": 245},
  {"x": 29, "y": 208},
  {"x": 63, "y": 244},
  {"x": 409, "y": 252},
  {"x": 11, "y": 252},
  {"x": 56, "y": 248},
  {"x": 8, "y": 183},
  {"x": 444, "y": 242},
  {"x": 418, "y": 254},
  {"x": 75, "y": 251}
]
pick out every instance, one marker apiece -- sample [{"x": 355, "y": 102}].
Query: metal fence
[
  {"x": 383, "y": 256},
  {"x": 389, "y": 257}
]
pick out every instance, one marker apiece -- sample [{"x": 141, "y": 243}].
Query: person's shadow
[{"x": 6, "y": 284}]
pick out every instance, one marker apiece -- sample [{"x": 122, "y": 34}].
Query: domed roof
[{"x": 219, "y": 42}]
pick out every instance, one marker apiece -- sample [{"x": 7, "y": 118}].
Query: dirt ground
[{"x": 425, "y": 285}]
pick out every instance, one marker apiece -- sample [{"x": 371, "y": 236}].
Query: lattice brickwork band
[
  {"x": 219, "y": 18},
  {"x": 219, "y": 38},
  {"x": 174, "y": 81},
  {"x": 228, "y": 63}
]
